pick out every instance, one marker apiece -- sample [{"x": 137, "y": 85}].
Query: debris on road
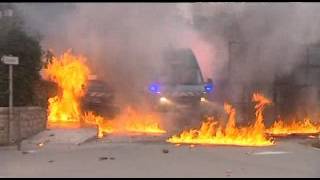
[
  {"x": 41, "y": 144},
  {"x": 165, "y": 151},
  {"x": 28, "y": 152},
  {"x": 106, "y": 158},
  {"x": 103, "y": 158},
  {"x": 50, "y": 161}
]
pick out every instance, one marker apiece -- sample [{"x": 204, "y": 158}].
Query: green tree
[{"x": 16, "y": 42}]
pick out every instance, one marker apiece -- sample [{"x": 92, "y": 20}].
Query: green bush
[{"x": 15, "y": 41}]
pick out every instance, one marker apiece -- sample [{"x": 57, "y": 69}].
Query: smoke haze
[{"x": 124, "y": 41}]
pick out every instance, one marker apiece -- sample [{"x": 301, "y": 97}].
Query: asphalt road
[{"x": 120, "y": 156}]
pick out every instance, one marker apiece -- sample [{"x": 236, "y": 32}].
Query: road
[{"x": 119, "y": 156}]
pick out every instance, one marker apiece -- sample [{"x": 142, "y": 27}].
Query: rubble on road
[{"x": 165, "y": 151}]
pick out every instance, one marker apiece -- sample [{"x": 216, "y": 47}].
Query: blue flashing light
[
  {"x": 208, "y": 87},
  {"x": 154, "y": 88}
]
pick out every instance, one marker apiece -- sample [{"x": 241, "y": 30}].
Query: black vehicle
[{"x": 99, "y": 98}]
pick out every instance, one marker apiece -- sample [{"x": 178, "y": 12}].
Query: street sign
[{"x": 10, "y": 60}]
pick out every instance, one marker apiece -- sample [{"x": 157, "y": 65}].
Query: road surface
[{"x": 121, "y": 156}]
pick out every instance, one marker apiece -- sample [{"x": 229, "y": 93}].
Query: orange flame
[
  {"x": 103, "y": 126},
  {"x": 211, "y": 132},
  {"x": 71, "y": 74},
  {"x": 128, "y": 122},
  {"x": 282, "y": 128}
]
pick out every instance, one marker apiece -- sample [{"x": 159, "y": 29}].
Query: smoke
[
  {"x": 124, "y": 41},
  {"x": 270, "y": 37}
]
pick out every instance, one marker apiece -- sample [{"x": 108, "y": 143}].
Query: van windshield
[
  {"x": 180, "y": 67},
  {"x": 181, "y": 75}
]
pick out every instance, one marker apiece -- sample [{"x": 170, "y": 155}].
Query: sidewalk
[{"x": 62, "y": 136}]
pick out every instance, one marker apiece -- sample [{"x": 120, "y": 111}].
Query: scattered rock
[
  {"x": 103, "y": 158},
  {"x": 106, "y": 158},
  {"x": 50, "y": 161},
  {"x": 28, "y": 152},
  {"x": 40, "y": 144},
  {"x": 51, "y": 135},
  {"x": 165, "y": 151}
]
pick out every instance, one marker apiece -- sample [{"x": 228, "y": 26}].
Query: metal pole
[
  {"x": 19, "y": 133},
  {"x": 10, "y": 101}
]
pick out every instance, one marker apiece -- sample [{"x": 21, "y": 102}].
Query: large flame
[
  {"x": 283, "y": 128},
  {"x": 71, "y": 74},
  {"x": 130, "y": 121},
  {"x": 212, "y": 132}
]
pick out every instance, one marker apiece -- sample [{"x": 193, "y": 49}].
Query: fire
[
  {"x": 212, "y": 132},
  {"x": 131, "y": 121},
  {"x": 137, "y": 122},
  {"x": 103, "y": 125},
  {"x": 282, "y": 128},
  {"x": 71, "y": 74}
]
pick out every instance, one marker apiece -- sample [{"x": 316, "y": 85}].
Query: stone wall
[{"x": 32, "y": 121}]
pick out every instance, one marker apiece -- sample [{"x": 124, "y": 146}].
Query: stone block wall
[{"x": 32, "y": 121}]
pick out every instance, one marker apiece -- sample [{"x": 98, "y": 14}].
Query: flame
[
  {"x": 129, "y": 122},
  {"x": 103, "y": 125},
  {"x": 71, "y": 74},
  {"x": 137, "y": 122},
  {"x": 212, "y": 132},
  {"x": 283, "y": 128}
]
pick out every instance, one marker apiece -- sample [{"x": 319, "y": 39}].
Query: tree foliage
[{"x": 16, "y": 42}]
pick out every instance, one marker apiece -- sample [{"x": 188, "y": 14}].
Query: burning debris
[
  {"x": 130, "y": 121},
  {"x": 211, "y": 132},
  {"x": 281, "y": 128}
]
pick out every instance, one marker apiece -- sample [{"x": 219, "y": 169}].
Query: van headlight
[
  {"x": 164, "y": 100},
  {"x": 203, "y": 99}
]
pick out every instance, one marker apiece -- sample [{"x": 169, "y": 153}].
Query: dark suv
[{"x": 99, "y": 98}]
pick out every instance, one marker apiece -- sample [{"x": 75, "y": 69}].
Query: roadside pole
[
  {"x": 10, "y": 60},
  {"x": 10, "y": 101}
]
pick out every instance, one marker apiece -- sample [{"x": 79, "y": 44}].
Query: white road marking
[{"x": 270, "y": 152}]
